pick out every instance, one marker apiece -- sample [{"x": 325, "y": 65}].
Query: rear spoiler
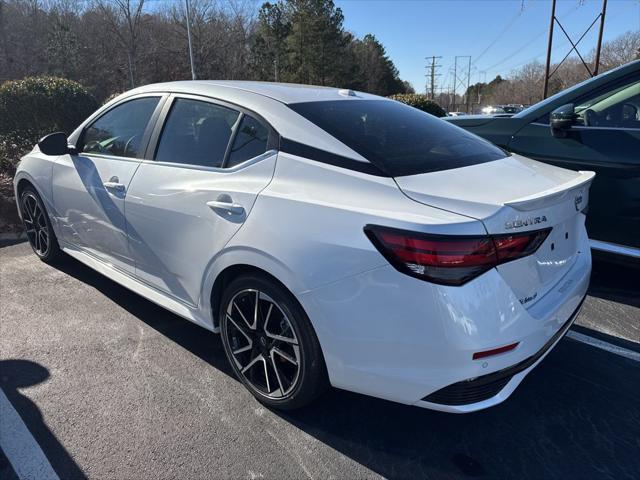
[{"x": 552, "y": 195}]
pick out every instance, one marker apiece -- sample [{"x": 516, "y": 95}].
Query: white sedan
[{"x": 331, "y": 237}]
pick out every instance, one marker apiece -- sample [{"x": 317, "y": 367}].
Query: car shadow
[
  {"x": 615, "y": 281},
  {"x": 576, "y": 415},
  {"x": 202, "y": 343},
  {"x": 16, "y": 374}
]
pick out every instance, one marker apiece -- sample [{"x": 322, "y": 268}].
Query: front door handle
[
  {"x": 114, "y": 184},
  {"x": 224, "y": 202}
]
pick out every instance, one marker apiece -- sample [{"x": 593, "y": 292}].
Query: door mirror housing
[
  {"x": 562, "y": 119},
  {"x": 54, "y": 144}
]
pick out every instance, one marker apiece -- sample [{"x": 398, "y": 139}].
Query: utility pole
[
  {"x": 574, "y": 45},
  {"x": 432, "y": 74},
  {"x": 455, "y": 82},
  {"x": 599, "y": 47},
  {"x": 468, "y": 84},
  {"x": 193, "y": 69},
  {"x": 548, "y": 63}
]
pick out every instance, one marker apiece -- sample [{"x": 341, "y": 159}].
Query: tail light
[{"x": 448, "y": 259}]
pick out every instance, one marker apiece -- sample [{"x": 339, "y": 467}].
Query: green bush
[
  {"x": 36, "y": 106},
  {"x": 421, "y": 102},
  {"x": 12, "y": 148}
]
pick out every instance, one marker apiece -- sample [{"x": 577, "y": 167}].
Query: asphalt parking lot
[{"x": 111, "y": 386}]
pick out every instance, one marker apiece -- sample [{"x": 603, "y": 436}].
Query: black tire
[
  {"x": 38, "y": 226},
  {"x": 310, "y": 381}
]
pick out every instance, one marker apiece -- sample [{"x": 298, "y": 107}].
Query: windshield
[{"x": 398, "y": 139}]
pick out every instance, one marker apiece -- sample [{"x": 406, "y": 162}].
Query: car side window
[
  {"x": 119, "y": 132},
  {"x": 618, "y": 107},
  {"x": 251, "y": 141},
  {"x": 196, "y": 133}
]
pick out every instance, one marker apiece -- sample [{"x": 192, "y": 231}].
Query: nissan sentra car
[{"x": 331, "y": 237}]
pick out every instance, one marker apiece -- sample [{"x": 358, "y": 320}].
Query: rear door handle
[
  {"x": 114, "y": 184},
  {"x": 225, "y": 203}
]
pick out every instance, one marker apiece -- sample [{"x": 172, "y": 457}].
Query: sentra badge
[{"x": 525, "y": 222}]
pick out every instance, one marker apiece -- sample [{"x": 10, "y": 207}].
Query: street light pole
[{"x": 193, "y": 69}]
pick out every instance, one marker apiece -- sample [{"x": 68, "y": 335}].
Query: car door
[
  {"x": 90, "y": 187},
  {"x": 210, "y": 162},
  {"x": 605, "y": 139}
]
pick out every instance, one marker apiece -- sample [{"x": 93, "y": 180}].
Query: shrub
[
  {"x": 421, "y": 102},
  {"x": 12, "y": 148},
  {"x": 36, "y": 106}
]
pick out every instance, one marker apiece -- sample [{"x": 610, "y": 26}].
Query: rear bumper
[
  {"x": 392, "y": 336},
  {"x": 476, "y": 390}
]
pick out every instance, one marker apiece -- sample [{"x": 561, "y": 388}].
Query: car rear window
[{"x": 398, "y": 139}]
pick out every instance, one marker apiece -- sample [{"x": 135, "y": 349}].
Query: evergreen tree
[
  {"x": 270, "y": 53},
  {"x": 304, "y": 41}
]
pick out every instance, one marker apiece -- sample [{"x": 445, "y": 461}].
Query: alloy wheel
[
  {"x": 263, "y": 344},
  {"x": 35, "y": 224}
]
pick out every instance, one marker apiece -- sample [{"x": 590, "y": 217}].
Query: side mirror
[
  {"x": 54, "y": 144},
  {"x": 562, "y": 119}
]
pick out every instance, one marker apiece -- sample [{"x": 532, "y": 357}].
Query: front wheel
[
  {"x": 270, "y": 343},
  {"x": 38, "y": 226}
]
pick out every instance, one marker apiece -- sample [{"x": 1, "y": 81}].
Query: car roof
[{"x": 286, "y": 93}]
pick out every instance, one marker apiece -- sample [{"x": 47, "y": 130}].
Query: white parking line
[
  {"x": 19, "y": 446},
  {"x": 609, "y": 347}
]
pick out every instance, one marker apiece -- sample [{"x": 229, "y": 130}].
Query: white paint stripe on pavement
[
  {"x": 609, "y": 347},
  {"x": 19, "y": 446}
]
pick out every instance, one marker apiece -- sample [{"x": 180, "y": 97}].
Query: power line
[
  {"x": 556, "y": 47},
  {"x": 510, "y": 24},
  {"x": 531, "y": 41}
]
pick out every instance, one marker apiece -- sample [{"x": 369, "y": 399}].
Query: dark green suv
[{"x": 594, "y": 125}]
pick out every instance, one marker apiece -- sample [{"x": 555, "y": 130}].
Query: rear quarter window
[
  {"x": 251, "y": 141},
  {"x": 398, "y": 139}
]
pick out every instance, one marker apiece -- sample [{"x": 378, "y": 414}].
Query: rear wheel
[
  {"x": 270, "y": 343},
  {"x": 38, "y": 226}
]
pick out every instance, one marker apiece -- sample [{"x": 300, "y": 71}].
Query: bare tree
[
  {"x": 619, "y": 51},
  {"x": 125, "y": 19}
]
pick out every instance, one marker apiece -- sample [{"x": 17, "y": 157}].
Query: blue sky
[{"x": 413, "y": 30}]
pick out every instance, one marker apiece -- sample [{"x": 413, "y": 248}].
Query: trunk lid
[{"x": 515, "y": 195}]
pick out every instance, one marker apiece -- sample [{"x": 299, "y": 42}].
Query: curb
[{"x": 13, "y": 236}]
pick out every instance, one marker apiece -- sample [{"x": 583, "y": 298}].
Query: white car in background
[{"x": 329, "y": 236}]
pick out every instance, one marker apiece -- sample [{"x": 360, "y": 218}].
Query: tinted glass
[
  {"x": 619, "y": 107},
  {"x": 250, "y": 141},
  {"x": 196, "y": 133},
  {"x": 119, "y": 131},
  {"x": 396, "y": 138}
]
